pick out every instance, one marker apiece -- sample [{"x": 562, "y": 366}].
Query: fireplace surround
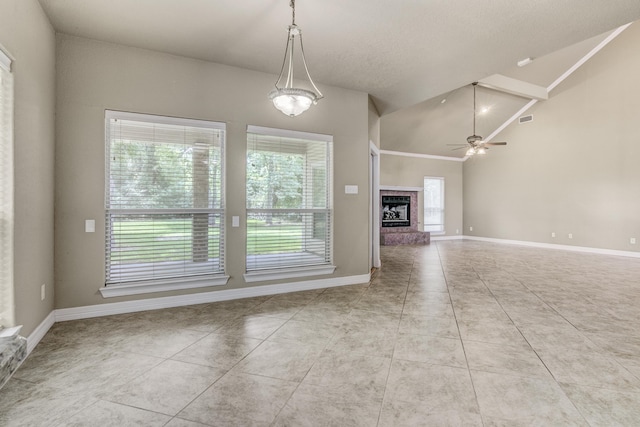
[{"x": 399, "y": 219}]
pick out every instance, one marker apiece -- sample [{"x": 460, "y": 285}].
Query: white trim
[
  {"x": 147, "y": 288},
  {"x": 374, "y": 214},
  {"x": 511, "y": 119},
  {"x": 588, "y": 56},
  {"x": 559, "y": 80},
  {"x": 165, "y": 120},
  {"x": 400, "y": 188},
  {"x": 441, "y": 238},
  {"x": 287, "y": 273},
  {"x": 40, "y": 331},
  {"x": 373, "y": 148},
  {"x": 515, "y": 87},
  {"x": 5, "y": 61},
  {"x": 286, "y": 133},
  {"x": 422, "y": 156},
  {"x": 599, "y": 251},
  {"x": 109, "y": 309},
  {"x": 424, "y": 198}
]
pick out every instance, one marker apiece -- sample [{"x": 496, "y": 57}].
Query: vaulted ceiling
[
  {"x": 408, "y": 55},
  {"x": 433, "y": 126}
]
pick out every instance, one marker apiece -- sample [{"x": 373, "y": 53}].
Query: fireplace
[
  {"x": 399, "y": 219},
  {"x": 396, "y": 211}
]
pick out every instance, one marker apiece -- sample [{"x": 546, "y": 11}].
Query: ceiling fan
[{"x": 475, "y": 144}]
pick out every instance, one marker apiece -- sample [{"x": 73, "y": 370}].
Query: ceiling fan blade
[
  {"x": 495, "y": 143},
  {"x": 458, "y": 144},
  {"x": 459, "y": 148}
]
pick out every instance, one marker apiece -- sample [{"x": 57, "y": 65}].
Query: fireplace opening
[{"x": 396, "y": 211}]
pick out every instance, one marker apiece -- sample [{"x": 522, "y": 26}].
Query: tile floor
[{"x": 455, "y": 333}]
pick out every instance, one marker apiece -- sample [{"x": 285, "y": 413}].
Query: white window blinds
[
  {"x": 289, "y": 200},
  {"x": 433, "y": 204},
  {"x": 164, "y": 199},
  {"x": 6, "y": 192}
]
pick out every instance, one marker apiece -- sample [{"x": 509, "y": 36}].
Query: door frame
[{"x": 374, "y": 206}]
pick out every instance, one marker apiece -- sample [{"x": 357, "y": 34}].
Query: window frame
[
  {"x": 276, "y": 272},
  {"x": 7, "y": 215},
  {"x": 216, "y": 277},
  {"x": 441, "y": 226}
]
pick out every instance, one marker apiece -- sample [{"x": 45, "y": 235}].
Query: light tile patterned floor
[{"x": 455, "y": 333}]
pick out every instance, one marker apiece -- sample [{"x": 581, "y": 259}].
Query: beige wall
[
  {"x": 574, "y": 168},
  {"x": 401, "y": 171},
  {"x": 374, "y": 124},
  {"x": 94, "y": 76},
  {"x": 27, "y": 36}
]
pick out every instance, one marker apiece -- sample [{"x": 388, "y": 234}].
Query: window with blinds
[
  {"x": 434, "y": 204},
  {"x": 289, "y": 199},
  {"x": 164, "y": 199},
  {"x": 6, "y": 192}
]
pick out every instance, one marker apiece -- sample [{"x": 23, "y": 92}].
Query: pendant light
[{"x": 291, "y": 100}]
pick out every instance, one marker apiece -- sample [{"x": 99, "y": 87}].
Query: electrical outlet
[
  {"x": 553, "y": 234},
  {"x": 632, "y": 240},
  {"x": 457, "y": 231},
  {"x": 470, "y": 228},
  {"x": 42, "y": 292},
  {"x": 570, "y": 235}
]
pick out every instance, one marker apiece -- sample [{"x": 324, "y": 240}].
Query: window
[
  {"x": 6, "y": 191},
  {"x": 288, "y": 202},
  {"x": 434, "y": 204},
  {"x": 164, "y": 200}
]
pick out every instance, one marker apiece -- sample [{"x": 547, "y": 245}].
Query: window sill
[
  {"x": 288, "y": 273},
  {"x": 147, "y": 288}
]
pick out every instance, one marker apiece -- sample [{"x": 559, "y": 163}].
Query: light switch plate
[
  {"x": 235, "y": 221},
  {"x": 90, "y": 226},
  {"x": 350, "y": 189}
]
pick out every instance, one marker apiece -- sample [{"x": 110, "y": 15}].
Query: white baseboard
[
  {"x": 40, "y": 331},
  {"x": 108, "y": 309},
  {"x": 585, "y": 249},
  {"x": 440, "y": 238},
  {"x": 76, "y": 313}
]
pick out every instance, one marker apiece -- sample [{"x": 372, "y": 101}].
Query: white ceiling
[
  {"x": 430, "y": 127},
  {"x": 400, "y": 52}
]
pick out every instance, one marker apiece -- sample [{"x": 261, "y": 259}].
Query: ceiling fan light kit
[
  {"x": 293, "y": 101},
  {"x": 475, "y": 142}
]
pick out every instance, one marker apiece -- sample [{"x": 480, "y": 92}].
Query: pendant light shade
[{"x": 293, "y": 101}]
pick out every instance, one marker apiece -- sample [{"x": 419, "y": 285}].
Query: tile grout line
[
  {"x": 227, "y": 370},
  {"x": 464, "y": 350},
  {"x": 525, "y": 338},
  {"x": 308, "y": 370},
  {"x": 393, "y": 352}
]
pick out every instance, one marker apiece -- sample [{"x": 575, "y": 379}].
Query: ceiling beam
[{"x": 515, "y": 87}]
